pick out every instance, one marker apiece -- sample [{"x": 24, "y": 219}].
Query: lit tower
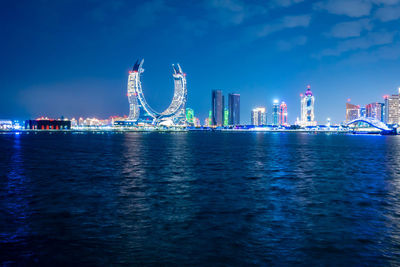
[
  {"x": 283, "y": 114},
  {"x": 259, "y": 116},
  {"x": 226, "y": 117},
  {"x": 307, "y": 108},
  {"x": 386, "y": 115},
  {"x": 234, "y": 109},
  {"x": 190, "y": 116},
  {"x": 275, "y": 112},
  {"x": 217, "y": 108},
  {"x": 139, "y": 109}
]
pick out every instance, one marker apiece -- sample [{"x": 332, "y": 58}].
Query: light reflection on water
[
  {"x": 192, "y": 198},
  {"x": 16, "y": 192}
]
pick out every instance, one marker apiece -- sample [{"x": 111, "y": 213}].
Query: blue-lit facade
[
  {"x": 217, "y": 108},
  {"x": 234, "y": 109},
  {"x": 275, "y": 113}
]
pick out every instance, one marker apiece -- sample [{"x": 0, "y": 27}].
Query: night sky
[{"x": 72, "y": 58}]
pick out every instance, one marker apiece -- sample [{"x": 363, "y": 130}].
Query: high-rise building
[
  {"x": 363, "y": 112},
  {"x": 259, "y": 116},
  {"x": 196, "y": 122},
  {"x": 275, "y": 112},
  {"x": 386, "y": 115},
  {"x": 190, "y": 116},
  {"x": 207, "y": 122},
  {"x": 217, "y": 108},
  {"x": 283, "y": 114},
  {"x": 375, "y": 110},
  {"x": 234, "y": 109},
  {"x": 352, "y": 112},
  {"x": 226, "y": 117},
  {"x": 393, "y": 107},
  {"x": 307, "y": 108}
]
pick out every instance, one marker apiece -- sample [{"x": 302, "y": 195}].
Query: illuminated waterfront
[{"x": 229, "y": 198}]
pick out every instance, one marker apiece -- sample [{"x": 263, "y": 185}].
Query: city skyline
[{"x": 77, "y": 66}]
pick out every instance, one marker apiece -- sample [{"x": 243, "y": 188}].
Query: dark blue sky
[{"x": 72, "y": 58}]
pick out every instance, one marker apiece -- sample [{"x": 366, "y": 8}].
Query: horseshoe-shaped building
[{"x": 139, "y": 109}]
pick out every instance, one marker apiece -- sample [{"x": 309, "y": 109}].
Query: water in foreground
[{"x": 196, "y": 198}]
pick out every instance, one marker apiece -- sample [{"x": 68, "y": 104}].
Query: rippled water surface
[{"x": 202, "y": 197}]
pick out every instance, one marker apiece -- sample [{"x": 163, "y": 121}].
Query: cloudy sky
[{"x": 72, "y": 58}]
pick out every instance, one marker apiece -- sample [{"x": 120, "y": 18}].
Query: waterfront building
[
  {"x": 6, "y": 125},
  {"x": 226, "y": 117},
  {"x": 375, "y": 110},
  {"x": 386, "y": 115},
  {"x": 94, "y": 122},
  {"x": 189, "y": 116},
  {"x": 363, "y": 112},
  {"x": 74, "y": 123},
  {"x": 47, "y": 124},
  {"x": 197, "y": 122},
  {"x": 139, "y": 110},
  {"x": 283, "y": 114},
  {"x": 393, "y": 107},
  {"x": 234, "y": 109},
  {"x": 207, "y": 122},
  {"x": 307, "y": 108},
  {"x": 259, "y": 116},
  {"x": 217, "y": 108},
  {"x": 352, "y": 112},
  {"x": 275, "y": 112}
]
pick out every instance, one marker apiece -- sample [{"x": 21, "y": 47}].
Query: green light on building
[
  {"x": 189, "y": 115},
  {"x": 226, "y": 117},
  {"x": 210, "y": 118}
]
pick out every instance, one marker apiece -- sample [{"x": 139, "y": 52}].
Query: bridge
[{"x": 371, "y": 121}]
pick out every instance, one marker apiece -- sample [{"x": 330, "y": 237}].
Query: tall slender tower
[
  {"x": 217, "y": 108},
  {"x": 283, "y": 114},
  {"x": 259, "y": 116},
  {"x": 307, "y": 108},
  {"x": 234, "y": 109},
  {"x": 275, "y": 113}
]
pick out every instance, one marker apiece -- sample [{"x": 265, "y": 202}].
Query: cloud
[
  {"x": 286, "y": 22},
  {"x": 386, "y": 2},
  {"x": 350, "y": 28},
  {"x": 388, "y": 52},
  {"x": 147, "y": 13},
  {"x": 351, "y": 8},
  {"x": 361, "y": 43},
  {"x": 388, "y": 13},
  {"x": 232, "y": 12},
  {"x": 105, "y": 9},
  {"x": 292, "y": 43},
  {"x": 284, "y": 3}
]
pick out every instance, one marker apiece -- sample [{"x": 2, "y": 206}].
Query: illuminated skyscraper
[
  {"x": 283, "y": 114},
  {"x": 226, "y": 117},
  {"x": 352, "y": 112},
  {"x": 139, "y": 109},
  {"x": 307, "y": 108},
  {"x": 196, "y": 122},
  {"x": 190, "y": 116},
  {"x": 259, "y": 116},
  {"x": 375, "y": 110},
  {"x": 363, "y": 112},
  {"x": 393, "y": 106},
  {"x": 386, "y": 115},
  {"x": 217, "y": 107},
  {"x": 234, "y": 109},
  {"x": 275, "y": 112}
]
